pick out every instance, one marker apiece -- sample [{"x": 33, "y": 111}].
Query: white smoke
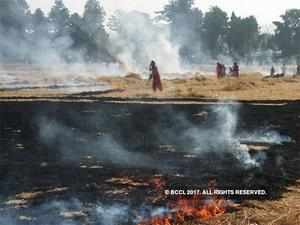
[
  {"x": 75, "y": 212},
  {"x": 67, "y": 212},
  {"x": 138, "y": 40},
  {"x": 66, "y": 79},
  {"x": 223, "y": 137},
  {"x": 112, "y": 215},
  {"x": 265, "y": 136},
  {"x": 73, "y": 145}
]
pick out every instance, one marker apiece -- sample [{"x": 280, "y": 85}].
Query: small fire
[
  {"x": 200, "y": 209},
  {"x": 158, "y": 221},
  {"x": 185, "y": 209},
  {"x": 190, "y": 209}
]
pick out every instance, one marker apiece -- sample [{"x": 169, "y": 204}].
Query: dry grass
[
  {"x": 133, "y": 76},
  {"x": 280, "y": 212},
  {"x": 248, "y": 87}
]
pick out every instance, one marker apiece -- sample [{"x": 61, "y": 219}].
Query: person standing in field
[
  {"x": 272, "y": 72},
  {"x": 283, "y": 69},
  {"x": 219, "y": 70},
  {"x": 298, "y": 70},
  {"x": 235, "y": 70},
  {"x": 155, "y": 77},
  {"x": 223, "y": 70}
]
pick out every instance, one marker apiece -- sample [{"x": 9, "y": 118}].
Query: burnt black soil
[{"x": 30, "y": 163}]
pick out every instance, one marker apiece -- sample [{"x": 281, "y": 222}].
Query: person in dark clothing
[
  {"x": 223, "y": 70},
  {"x": 283, "y": 70},
  {"x": 272, "y": 72},
  {"x": 219, "y": 70},
  {"x": 155, "y": 77},
  {"x": 298, "y": 70},
  {"x": 235, "y": 70}
]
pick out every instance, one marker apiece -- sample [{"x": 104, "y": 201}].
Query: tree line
[{"x": 214, "y": 34}]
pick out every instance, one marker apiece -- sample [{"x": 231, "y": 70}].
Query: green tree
[
  {"x": 185, "y": 23},
  {"x": 59, "y": 17},
  {"x": 215, "y": 26},
  {"x": 14, "y": 21},
  {"x": 265, "y": 48},
  {"x": 94, "y": 17},
  {"x": 97, "y": 37},
  {"x": 242, "y": 36},
  {"x": 287, "y": 34},
  {"x": 176, "y": 10},
  {"x": 76, "y": 31},
  {"x": 14, "y": 15},
  {"x": 39, "y": 24}
]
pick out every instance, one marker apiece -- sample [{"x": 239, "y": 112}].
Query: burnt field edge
[
  {"x": 136, "y": 100},
  {"x": 27, "y": 166}
]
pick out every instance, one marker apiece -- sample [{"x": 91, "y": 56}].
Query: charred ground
[{"x": 35, "y": 172}]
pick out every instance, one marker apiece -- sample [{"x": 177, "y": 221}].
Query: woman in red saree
[{"x": 155, "y": 76}]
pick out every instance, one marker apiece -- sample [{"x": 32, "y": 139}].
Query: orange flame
[
  {"x": 183, "y": 209},
  {"x": 189, "y": 209},
  {"x": 199, "y": 209},
  {"x": 158, "y": 221}
]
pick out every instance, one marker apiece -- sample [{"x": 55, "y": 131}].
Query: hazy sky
[{"x": 265, "y": 11}]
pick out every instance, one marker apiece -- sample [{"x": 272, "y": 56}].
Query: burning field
[
  {"x": 158, "y": 113},
  {"x": 82, "y": 82},
  {"x": 149, "y": 164}
]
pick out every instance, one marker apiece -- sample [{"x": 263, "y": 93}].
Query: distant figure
[
  {"x": 230, "y": 71},
  {"x": 298, "y": 70},
  {"x": 219, "y": 70},
  {"x": 272, "y": 72},
  {"x": 155, "y": 76},
  {"x": 235, "y": 70},
  {"x": 223, "y": 70},
  {"x": 283, "y": 69}
]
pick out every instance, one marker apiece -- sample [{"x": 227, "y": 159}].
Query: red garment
[{"x": 156, "y": 84}]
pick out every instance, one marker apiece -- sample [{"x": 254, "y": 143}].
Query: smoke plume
[
  {"x": 73, "y": 145},
  {"x": 136, "y": 40}
]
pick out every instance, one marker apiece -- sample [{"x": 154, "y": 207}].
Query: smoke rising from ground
[
  {"x": 74, "y": 144},
  {"x": 75, "y": 212},
  {"x": 225, "y": 137},
  {"x": 220, "y": 135},
  {"x": 123, "y": 43},
  {"x": 67, "y": 212},
  {"x": 136, "y": 40}
]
